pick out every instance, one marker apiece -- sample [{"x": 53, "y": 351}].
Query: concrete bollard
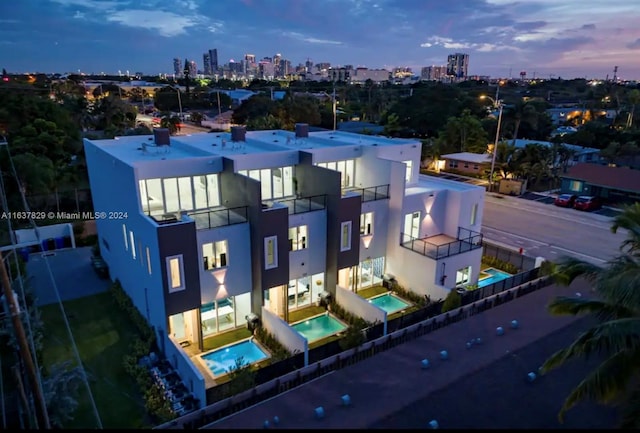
[
  {"x": 425, "y": 364},
  {"x": 478, "y": 340},
  {"x": 319, "y": 411},
  {"x": 444, "y": 355},
  {"x": 266, "y": 423},
  {"x": 531, "y": 376},
  {"x": 469, "y": 344},
  {"x": 433, "y": 424},
  {"x": 499, "y": 331},
  {"x": 276, "y": 420},
  {"x": 515, "y": 324},
  {"x": 346, "y": 400}
]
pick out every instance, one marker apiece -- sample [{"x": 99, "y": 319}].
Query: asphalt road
[{"x": 549, "y": 231}]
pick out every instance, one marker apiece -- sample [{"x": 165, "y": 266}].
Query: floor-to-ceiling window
[
  {"x": 346, "y": 169},
  {"x": 225, "y": 314},
  {"x": 368, "y": 273},
  {"x": 463, "y": 275},
  {"x": 411, "y": 226},
  {"x": 167, "y": 195},
  {"x": 275, "y": 183}
]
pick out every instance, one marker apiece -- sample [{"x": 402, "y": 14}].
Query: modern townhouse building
[{"x": 210, "y": 230}]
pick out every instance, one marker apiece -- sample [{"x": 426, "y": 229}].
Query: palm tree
[{"x": 616, "y": 337}]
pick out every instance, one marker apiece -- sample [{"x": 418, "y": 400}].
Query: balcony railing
[
  {"x": 305, "y": 204},
  {"x": 372, "y": 193},
  {"x": 219, "y": 218},
  {"x": 467, "y": 240}
]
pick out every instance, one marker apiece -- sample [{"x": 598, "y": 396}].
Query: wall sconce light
[
  {"x": 220, "y": 275},
  {"x": 366, "y": 240},
  {"x": 222, "y": 292}
]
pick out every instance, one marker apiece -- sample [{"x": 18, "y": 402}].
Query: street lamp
[
  {"x": 497, "y": 103},
  {"x": 179, "y": 100}
]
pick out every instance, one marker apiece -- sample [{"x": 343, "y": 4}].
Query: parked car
[
  {"x": 565, "y": 200},
  {"x": 587, "y": 202}
]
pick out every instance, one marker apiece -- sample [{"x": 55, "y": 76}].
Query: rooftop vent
[
  {"x": 302, "y": 130},
  {"x": 161, "y": 137},
  {"x": 238, "y": 133}
]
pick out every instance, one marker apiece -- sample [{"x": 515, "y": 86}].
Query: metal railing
[
  {"x": 372, "y": 193},
  {"x": 467, "y": 240},
  {"x": 305, "y": 204},
  {"x": 219, "y": 218}
]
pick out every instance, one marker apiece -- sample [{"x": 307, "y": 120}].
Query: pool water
[
  {"x": 221, "y": 361},
  {"x": 319, "y": 327},
  {"x": 389, "y": 303},
  {"x": 494, "y": 276}
]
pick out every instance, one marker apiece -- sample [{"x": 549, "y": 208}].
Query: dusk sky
[{"x": 566, "y": 38}]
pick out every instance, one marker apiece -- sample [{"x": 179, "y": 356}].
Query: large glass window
[
  {"x": 159, "y": 196},
  {"x": 297, "y": 238},
  {"x": 133, "y": 245},
  {"x": 346, "y": 169},
  {"x": 474, "y": 213},
  {"x": 366, "y": 223},
  {"x": 215, "y": 255},
  {"x": 409, "y": 168},
  {"x": 124, "y": 232},
  {"x": 175, "y": 273},
  {"x": 148, "y": 261}
]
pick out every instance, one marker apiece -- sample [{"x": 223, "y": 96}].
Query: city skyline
[{"x": 543, "y": 37}]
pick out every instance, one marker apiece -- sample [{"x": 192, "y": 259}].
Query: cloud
[
  {"x": 450, "y": 44},
  {"x": 588, "y": 27},
  {"x": 167, "y": 24},
  {"x": 634, "y": 45},
  {"x": 79, "y": 15},
  {"x": 309, "y": 39}
]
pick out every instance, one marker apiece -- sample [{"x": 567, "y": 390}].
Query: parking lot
[{"x": 533, "y": 196}]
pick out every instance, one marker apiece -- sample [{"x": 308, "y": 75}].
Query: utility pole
[
  {"x": 41, "y": 407},
  {"x": 335, "y": 108}
]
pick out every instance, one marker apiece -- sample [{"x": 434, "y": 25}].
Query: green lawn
[{"x": 102, "y": 334}]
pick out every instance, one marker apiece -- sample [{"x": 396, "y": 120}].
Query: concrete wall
[
  {"x": 236, "y": 278},
  {"x": 360, "y": 307},
  {"x": 371, "y": 170},
  {"x": 189, "y": 373},
  {"x": 313, "y": 259},
  {"x": 285, "y": 334},
  {"x": 378, "y": 242}
]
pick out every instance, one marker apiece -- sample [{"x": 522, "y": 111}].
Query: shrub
[
  {"x": 500, "y": 264},
  {"x": 242, "y": 377},
  {"x": 452, "y": 301},
  {"x": 278, "y": 351}
]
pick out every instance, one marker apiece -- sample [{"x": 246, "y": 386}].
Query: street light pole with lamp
[{"x": 497, "y": 103}]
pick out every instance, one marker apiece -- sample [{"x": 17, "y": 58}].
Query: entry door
[{"x": 412, "y": 225}]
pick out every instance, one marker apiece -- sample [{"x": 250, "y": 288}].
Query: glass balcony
[
  {"x": 372, "y": 193},
  {"x": 210, "y": 219},
  {"x": 305, "y": 204},
  {"x": 442, "y": 246}
]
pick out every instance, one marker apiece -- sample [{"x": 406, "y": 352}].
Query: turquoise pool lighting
[
  {"x": 221, "y": 361},
  {"x": 319, "y": 327},
  {"x": 494, "y": 275},
  {"x": 389, "y": 303}
]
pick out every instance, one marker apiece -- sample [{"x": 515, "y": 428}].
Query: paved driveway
[{"x": 72, "y": 273}]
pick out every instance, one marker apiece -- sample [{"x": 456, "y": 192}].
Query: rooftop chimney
[
  {"x": 161, "y": 137},
  {"x": 302, "y": 130},
  {"x": 238, "y": 133}
]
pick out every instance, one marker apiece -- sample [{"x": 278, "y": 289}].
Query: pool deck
[{"x": 382, "y": 386}]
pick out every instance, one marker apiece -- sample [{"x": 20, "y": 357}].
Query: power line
[{"x": 55, "y": 287}]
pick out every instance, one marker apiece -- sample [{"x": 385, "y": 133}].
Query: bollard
[
  {"x": 515, "y": 324},
  {"x": 425, "y": 363},
  {"x": 346, "y": 400},
  {"x": 319, "y": 412},
  {"x": 499, "y": 331},
  {"x": 478, "y": 340},
  {"x": 444, "y": 355},
  {"x": 531, "y": 376},
  {"x": 266, "y": 423},
  {"x": 276, "y": 420},
  {"x": 578, "y": 294},
  {"x": 433, "y": 424},
  {"x": 469, "y": 344}
]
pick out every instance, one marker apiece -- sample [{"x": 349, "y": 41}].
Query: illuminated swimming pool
[
  {"x": 222, "y": 360},
  {"x": 319, "y": 327},
  {"x": 389, "y": 303},
  {"x": 492, "y": 276}
]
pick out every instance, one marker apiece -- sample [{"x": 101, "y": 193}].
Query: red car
[
  {"x": 565, "y": 200},
  {"x": 587, "y": 202}
]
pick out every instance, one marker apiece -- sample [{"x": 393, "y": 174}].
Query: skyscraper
[
  {"x": 177, "y": 67},
  {"x": 206, "y": 62},
  {"x": 458, "y": 65},
  {"x": 213, "y": 60}
]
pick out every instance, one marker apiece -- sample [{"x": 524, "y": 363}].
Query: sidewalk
[{"x": 391, "y": 381}]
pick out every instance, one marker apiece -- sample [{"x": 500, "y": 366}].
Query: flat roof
[
  {"x": 129, "y": 149},
  {"x": 433, "y": 183},
  {"x": 469, "y": 157}
]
